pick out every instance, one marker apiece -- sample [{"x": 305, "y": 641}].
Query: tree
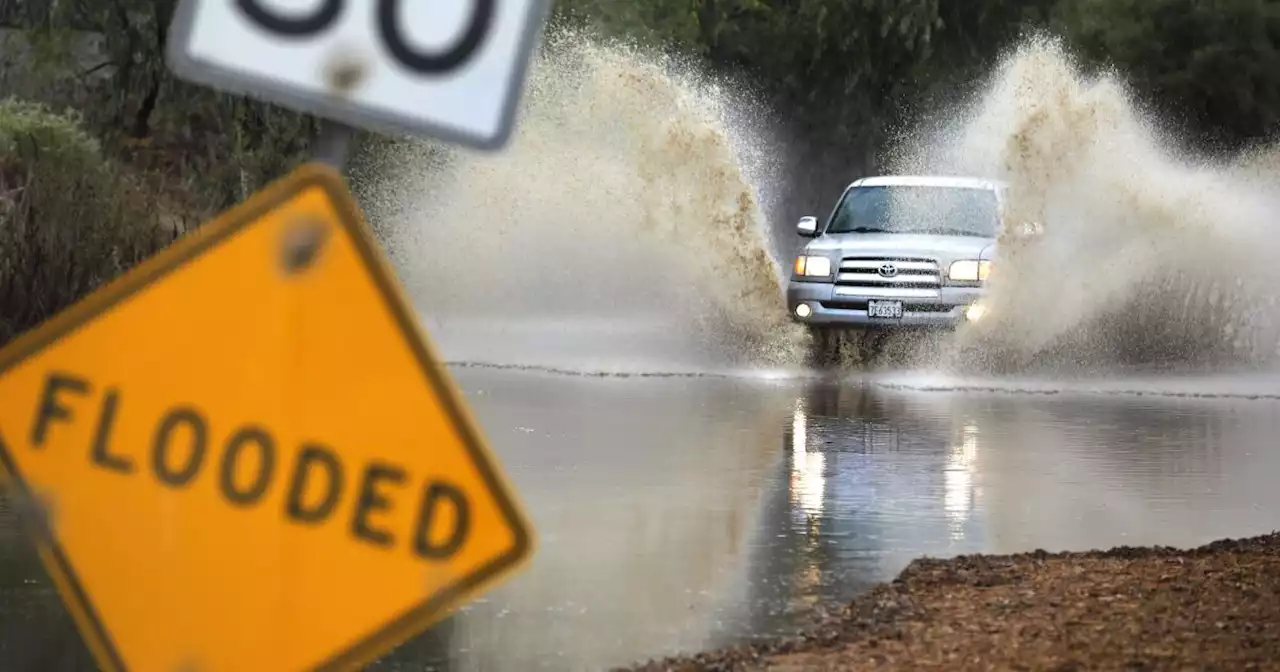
[{"x": 1211, "y": 64}]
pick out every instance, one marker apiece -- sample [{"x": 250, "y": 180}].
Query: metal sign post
[{"x": 333, "y": 143}]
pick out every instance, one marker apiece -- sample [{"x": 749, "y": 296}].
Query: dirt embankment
[{"x": 1216, "y": 607}]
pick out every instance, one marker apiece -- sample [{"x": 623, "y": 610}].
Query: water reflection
[
  {"x": 676, "y": 515},
  {"x": 959, "y": 494},
  {"x": 807, "y": 468},
  {"x": 877, "y": 477},
  {"x": 870, "y": 482},
  {"x": 807, "y": 489},
  {"x": 882, "y": 455},
  {"x": 646, "y": 496},
  {"x": 1089, "y": 472}
]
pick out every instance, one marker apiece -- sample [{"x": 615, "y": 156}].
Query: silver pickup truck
[{"x": 897, "y": 252}]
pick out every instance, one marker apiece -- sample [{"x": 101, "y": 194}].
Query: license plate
[{"x": 889, "y": 309}]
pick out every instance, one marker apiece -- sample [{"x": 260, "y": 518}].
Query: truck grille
[{"x": 905, "y": 277}]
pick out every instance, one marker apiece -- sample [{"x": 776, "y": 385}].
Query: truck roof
[{"x": 927, "y": 181}]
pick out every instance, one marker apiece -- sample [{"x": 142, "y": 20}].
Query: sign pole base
[{"x": 333, "y": 143}]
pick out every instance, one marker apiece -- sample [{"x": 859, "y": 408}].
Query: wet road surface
[{"x": 684, "y": 513}]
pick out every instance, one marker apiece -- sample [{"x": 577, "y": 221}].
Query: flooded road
[
  {"x": 685, "y": 513},
  {"x": 681, "y": 513}
]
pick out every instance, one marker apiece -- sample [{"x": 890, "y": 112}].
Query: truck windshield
[{"x": 963, "y": 211}]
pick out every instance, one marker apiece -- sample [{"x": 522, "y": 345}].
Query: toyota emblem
[{"x": 888, "y": 270}]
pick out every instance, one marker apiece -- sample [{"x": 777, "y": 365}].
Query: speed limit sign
[{"x": 452, "y": 69}]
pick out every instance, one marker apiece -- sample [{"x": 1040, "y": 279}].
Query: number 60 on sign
[{"x": 453, "y": 69}]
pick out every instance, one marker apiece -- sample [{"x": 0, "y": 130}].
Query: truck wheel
[
  {"x": 822, "y": 347},
  {"x": 875, "y": 344}
]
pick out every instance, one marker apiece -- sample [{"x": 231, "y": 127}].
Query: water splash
[
  {"x": 631, "y": 192},
  {"x": 1149, "y": 254}
]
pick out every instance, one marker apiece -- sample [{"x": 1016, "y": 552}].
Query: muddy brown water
[{"x": 682, "y": 513}]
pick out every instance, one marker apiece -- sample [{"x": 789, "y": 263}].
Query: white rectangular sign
[{"x": 453, "y": 69}]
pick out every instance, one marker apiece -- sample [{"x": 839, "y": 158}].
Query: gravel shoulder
[{"x": 1216, "y": 607}]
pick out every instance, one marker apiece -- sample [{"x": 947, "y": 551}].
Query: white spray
[
  {"x": 1147, "y": 255},
  {"x": 630, "y": 194}
]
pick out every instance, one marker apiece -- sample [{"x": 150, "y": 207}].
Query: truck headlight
[
  {"x": 969, "y": 270},
  {"x": 813, "y": 267}
]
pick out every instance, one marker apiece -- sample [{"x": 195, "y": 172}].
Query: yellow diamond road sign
[{"x": 246, "y": 454}]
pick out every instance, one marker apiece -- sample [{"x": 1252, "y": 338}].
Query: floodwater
[
  {"x": 680, "y": 513},
  {"x": 685, "y": 513},
  {"x": 686, "y": 499}
]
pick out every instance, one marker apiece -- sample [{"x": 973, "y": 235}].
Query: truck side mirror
[{"x": 807, "y": 227}]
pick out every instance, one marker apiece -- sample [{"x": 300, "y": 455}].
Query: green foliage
[
  {"x": 842, "y": 65},
  {"x": 842, "y": 73},
  {"x": 1215, "y": 63},
  {"x": 850, "y": 70},
  {"x": 179, "y": 154},
  {"x": 846, "y": 66},
  {"x": 663, "y": 23},
  {"x": 69, "y": 220},
  {"x": 212, "y": 148},
  {"x": 845, "y": 70}
]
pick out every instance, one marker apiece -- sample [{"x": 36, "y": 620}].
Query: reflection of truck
[{"x": 897, "y": 252}]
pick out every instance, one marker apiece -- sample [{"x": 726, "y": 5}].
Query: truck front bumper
[{"x": 823, "y": 307}]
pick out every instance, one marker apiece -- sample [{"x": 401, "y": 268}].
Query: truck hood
[{"x": 892, "y": 244}]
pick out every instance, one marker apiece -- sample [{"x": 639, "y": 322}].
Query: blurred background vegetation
[{"x": 843, "y": 74}]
